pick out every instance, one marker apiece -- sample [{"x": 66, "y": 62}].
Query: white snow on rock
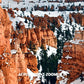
[
  {"x": 68, "y": 57},
  {"x": 49, "y": 13},
  {"x": 63, "y": 81},
  {"x": 10, "y": 40},
  {"x": 59, "y": 61},
  {"x": 76, "y": 41},
  {"x": 62, "y": 74},
  {"x": 32, "y": 75},
  {"x": 22, "y": 19},
  {"x": 65, "y": 26},
  {"x": 51, "y": 50},
  {"x": 38, "y": 53},
  {"x": 13, "y": 51}
]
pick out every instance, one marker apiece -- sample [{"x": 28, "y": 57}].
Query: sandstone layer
[
  {"x": 16, "y": 61},
  {"x": 34, "y": 38},
  {"x": 73, "y": 54},
  {"x": 0, "y": 1},
  {"x": 15, "y": 55},
  {"x": 79, "y": 18}
]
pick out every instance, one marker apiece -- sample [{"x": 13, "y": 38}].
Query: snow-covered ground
[
  {"x": 77, "y": 81},
  {"x": 62, "y": 75},
  {"x": 31, "y": 74},
  {"x": 51, "y": 50},
  {"x": 29, "y": 6}
]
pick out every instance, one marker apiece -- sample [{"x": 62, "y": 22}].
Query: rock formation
[
  {"x": 0, "y": 1},
  {"x": 35, "y": 37},
  {"x": 2, "y": 78},
  {"x": 72, "y": 59},
  {"x": 79, "y": 18},
  {"x": 46, "y": 20},
  {"x": 15, "y": 56},
  {"x": 62, "y": 8},
  {"x": 82, "y": 22},
  {"x": 11, "y": 12},
  {"x": 62, "y": 77},
  {"x": 5, "y": 31},
  {"x": 16, "y": 61}
]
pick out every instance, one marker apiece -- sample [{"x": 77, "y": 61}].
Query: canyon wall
[
  {"x": 5, "y": 31},
  {"x": 15, "y": 55},
  {"x": 35, "y": 37},
  {"x": 73, "y": 54},
  {"x": 14, "y": 60},
  {"x": 40, "y": 35},
  {"x": 78, "y": 17},
  {"x": 46, "y": 21},
  {"x": 0, "y": 1}
]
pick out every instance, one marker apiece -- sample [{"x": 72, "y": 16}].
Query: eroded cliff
[
  {"x": 13, "y": 62},
  {"x": 72, "y": 59},
  {"x": 15, "y": 50}
]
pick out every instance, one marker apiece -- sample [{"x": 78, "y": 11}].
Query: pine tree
[
  {"x": 52, "y": 67},
  {"x": 25, "y": 20},
  {"x": 73, "y": 31},
  {"x": 30, "y": 45},
  {"x": 49, "y": 65},
  {"x": 38, "y": 63},
  {"x": 44, "y": 60},
  {"x": 81, "y": 77},
  {"x": 17, "y": 26},
  {"x": 48, "y": 8}
]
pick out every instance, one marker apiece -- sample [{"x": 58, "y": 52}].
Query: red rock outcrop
[
  {"x": 11, "y": 12},
  {"x": 62, "y": 8},
  {"x": 35, "y": 37},
  {"x": 46, "y": 20},
  {"x": 82, "y": 22},
  {"x": 6, "y": 62},
  {"x": 72, "y": 60},
  {"x": 5, "y": 30},
  {"x": 13, "y": 64},
  {"x": 43, "y": 22},
  {"x": 2, "y": 81},
  {"x": 41, "y": 36},
  {"x": 79, "y": 18},
  {"x": 44, "y": 8},
  {"x": 0, "y": 1},
  {"x": 79, "y": 35}
]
